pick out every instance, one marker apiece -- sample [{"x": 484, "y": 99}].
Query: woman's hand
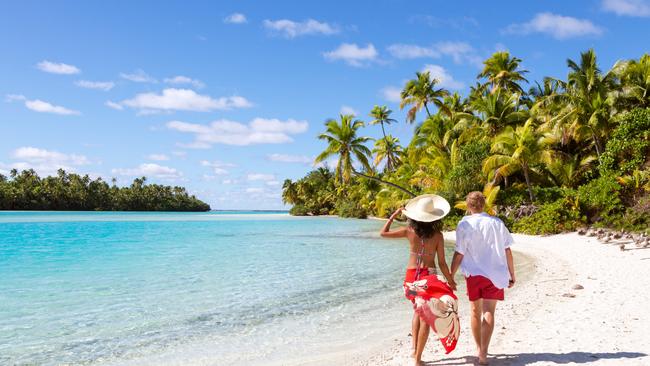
[
  {"x": 397, "y": 212},
  {"x": 452, "y": 284}
]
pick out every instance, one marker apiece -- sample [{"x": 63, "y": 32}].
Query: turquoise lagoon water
[{"x": 217, "y": 288}]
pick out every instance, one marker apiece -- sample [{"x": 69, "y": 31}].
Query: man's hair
[{"x": 475, "y": 201}]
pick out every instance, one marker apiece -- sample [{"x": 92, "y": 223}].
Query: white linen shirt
[{"x": 482, "y": 240}]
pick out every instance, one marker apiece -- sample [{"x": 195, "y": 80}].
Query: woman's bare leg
[
  {"x": 415, "y": 329},
  {"x": 423, "y": 335}
]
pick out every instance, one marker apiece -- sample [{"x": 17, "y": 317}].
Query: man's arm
[
  {"x": 511, "y": 267},
  {"x": 455, "y": 263}
]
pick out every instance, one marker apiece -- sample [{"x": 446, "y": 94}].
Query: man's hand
[{"x": 511, "y": 283}]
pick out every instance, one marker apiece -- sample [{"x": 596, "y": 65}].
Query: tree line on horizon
[
  {"x": 562, "y": 154},
  {"x": 73, "y": 192}
]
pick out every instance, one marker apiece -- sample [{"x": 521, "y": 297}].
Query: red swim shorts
[
  {"x": 410, "y": 277},
  {"x": 479, "y": 287}
]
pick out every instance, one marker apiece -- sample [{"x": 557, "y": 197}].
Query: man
[{"x": 484, "y": 256}]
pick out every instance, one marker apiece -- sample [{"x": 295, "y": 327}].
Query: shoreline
[{"x": 548, "y": 319}]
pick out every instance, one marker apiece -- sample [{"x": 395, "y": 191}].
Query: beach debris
[
  {"x": 618, "y": 235},
  {"x": 577, "y": 287},
  {"x": 591, "y": 232},
  {"x": 622, "y": 246},
  {"x": 607, "y": 238},
  {"x": 582, "y": 231},
  {"x": 568, "y": 294}
]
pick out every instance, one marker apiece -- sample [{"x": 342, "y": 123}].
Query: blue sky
[{"x": 227, "y": 98}]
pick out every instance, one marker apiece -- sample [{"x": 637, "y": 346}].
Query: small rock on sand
[
  {"x": 577, "y": 287},
  {"x": 568, "y": 295}
]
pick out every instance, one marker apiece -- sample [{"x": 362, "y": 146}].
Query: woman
[{"x": 426, "y": 242}]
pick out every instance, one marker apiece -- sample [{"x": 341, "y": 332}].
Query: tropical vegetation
[
  {"x": 554, "y": 156},
  {"x": 68, "y": 191}
]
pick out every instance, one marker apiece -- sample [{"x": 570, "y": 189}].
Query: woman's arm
[
  {"x": 385, "y": 231},
  {"x": 442, "y": 262}
]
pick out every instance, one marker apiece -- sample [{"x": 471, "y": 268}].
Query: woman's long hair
[{"x": 425, "y": 230}]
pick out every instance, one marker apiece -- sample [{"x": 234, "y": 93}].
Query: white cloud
[
  {"x": 36, "y": 155},
  {"x": 255, "y": 190},
  {"x": 217, "y": 166},
  {"x": 291, "y": 29},
  {"x": 557, "y": 26},
  {"x": 633, "y": 8},
  {"x": 158, "y": 157},
  {"x": 57, "y": 68},
  {"x": 458, "y": 51},
  {"x": 99, "y": 85},
  {"x": 285, "y": 158},
  {"x": 139, "y": 76},
  {"x": 409, "y": 51},
  {"x": 445, "y": 79},
  {"x": 348, "y": 110},
  {"x": 235, "y": 18},
  {"x": 45, "y": 162},
  {"x": 392, "y": 94},
  {"x": 180, "y": 79},
  {"x": 352, "y": 54},
  {"x": 258, "y": 131},
  {"x": 149, "y": 170},
  {"x": 40, "y": 106},
  {"x": 262, "y": 177},
  {"x": 173, "y": 99},
  {"x": 114, "y": 105},
  {"x": 45, "y": 107},
  {"x": 273, "y": 183}
]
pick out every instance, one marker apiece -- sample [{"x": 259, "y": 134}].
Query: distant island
[
  {"x": 73, "y": 192},
  {"x": 563, "y": 154}
]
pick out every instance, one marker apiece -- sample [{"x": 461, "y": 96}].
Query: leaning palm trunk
[
  {"x": 530, "y": 190},
  {"x": 384, "y": 182}
]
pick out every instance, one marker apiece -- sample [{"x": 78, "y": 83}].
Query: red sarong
[{"x": 437, "y": 305}]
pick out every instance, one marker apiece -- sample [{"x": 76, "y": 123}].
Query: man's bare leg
[
  {"x": 476, "y": 308},
  {"x": 415, "y": 329},
  {"x": 422, "y": 341},
  {"x": 487, "y": 326}
]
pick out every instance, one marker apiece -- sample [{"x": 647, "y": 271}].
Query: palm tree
[
  {"x": 289, "y": 192},
  {"x": 635, "y": 82},
  {"x": 381, "y": 115},
  {"x": 503, "y": 72},
  {"x": 343, "y": 141},
  {"x": 389, "y": 149},
  {"x": 420, "y": 93},
  {"x": 514, "y": 150},
  {"x": 586, "y": 111},
  {"x": 497, "y": 110}
]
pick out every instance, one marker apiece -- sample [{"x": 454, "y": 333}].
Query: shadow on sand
[{"x": 531, "y": 358}]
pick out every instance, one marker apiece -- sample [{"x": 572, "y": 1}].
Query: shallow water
[{"x": 192, "y": 288}]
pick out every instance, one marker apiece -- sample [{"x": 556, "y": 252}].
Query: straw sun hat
[{"x": 426, "y": 208}]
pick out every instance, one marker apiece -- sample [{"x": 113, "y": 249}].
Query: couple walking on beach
[{"x": 483, "y": 255}]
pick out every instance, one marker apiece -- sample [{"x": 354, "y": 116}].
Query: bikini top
[{"x": 424, "y": 254}]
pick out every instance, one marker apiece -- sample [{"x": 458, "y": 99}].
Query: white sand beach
[{"x": 546, "y": 320}]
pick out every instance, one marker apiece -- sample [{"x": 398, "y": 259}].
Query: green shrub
[
  {"x": 348, "y": 208},
  {"x": 518, "y": 196},
  {"x": 551, "y": 218},
  {"x": 299, "y": 210},
  {"x": 635, "y": 218},
  {"x": 466, "y": 175},
  {"x": 600, "y": 199},
  {"x": 450, "y": 222},
  {"x": 629, "y": 145}
]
